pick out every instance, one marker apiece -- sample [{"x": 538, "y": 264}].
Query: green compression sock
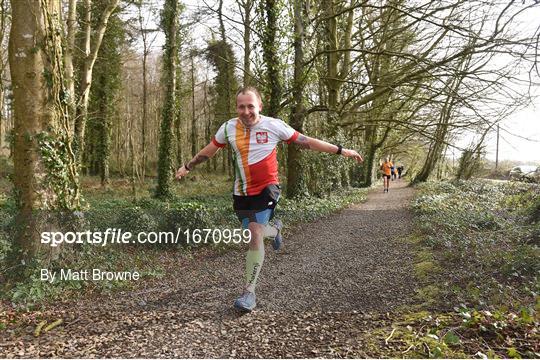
[{"x": 254, "y": 261}]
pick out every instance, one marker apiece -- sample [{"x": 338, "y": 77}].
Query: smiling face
[{"x": 248, "y": 107}]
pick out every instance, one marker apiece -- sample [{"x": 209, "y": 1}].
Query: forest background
[{"x": 92, "y": 138}]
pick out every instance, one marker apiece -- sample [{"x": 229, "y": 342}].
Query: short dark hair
[{"x": 245, "y": 89}]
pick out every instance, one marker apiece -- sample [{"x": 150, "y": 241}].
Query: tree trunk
[
  {"x": 295, "y": 171},
  {"x": 380, "y": 113},
  {"x": 332, "y": 82},
  {"x": 170, "y": 26},
  {"x": 144, "y": 119},
  {"x": 2, "y": 122},
  {"x": 132, "y": 160},
  {"x": 45, "y": 171},
  {"x": 228, "y": 81},
  {"x": 179, "y": 115},
  {"x": 145, "y": 113},
  {"x": 369, "y": 155},
  {"x": 438, "y": 142},
  {"x": 229, "y": 66},
  {"x": 271, "y": 58},
  {"x": 194, "y": 139},
  {"x": 68, "y": 59},
  {"x": 1, "y": 114},
  {"x": 92, "y": 45},
  {"x": 3, "y": 17},
  {"x": 247, "y": 5},
  {"x": 337, "y": 53},
  {"x": 104, "y": 150}
]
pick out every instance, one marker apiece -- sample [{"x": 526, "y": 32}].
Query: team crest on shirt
[{"x": 262, "y": 137}]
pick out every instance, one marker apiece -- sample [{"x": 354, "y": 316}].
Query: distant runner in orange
[
  {"x": 253, "y": 138},
  {"x": 386, "y": 170}
]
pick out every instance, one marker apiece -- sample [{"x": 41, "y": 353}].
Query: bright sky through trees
[{"x": 519, "y": 132}]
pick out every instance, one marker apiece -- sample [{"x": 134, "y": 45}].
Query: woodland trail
[{"x": 335, "y": 280}]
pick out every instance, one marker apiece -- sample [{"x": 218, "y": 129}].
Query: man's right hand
[{"x": 181, "y": 172}]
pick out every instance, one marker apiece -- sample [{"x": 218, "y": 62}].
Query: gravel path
[{"x": 335, "y": 279}]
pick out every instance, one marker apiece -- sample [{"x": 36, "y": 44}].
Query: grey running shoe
[
  {"x": 278, "y": 240},
  {"x": 246, "y": 302}
]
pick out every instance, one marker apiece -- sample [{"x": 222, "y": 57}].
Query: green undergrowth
[
  {"x": 460, "y": 333},
  {"x": 109, "y": 210},
  {"x": 478, "y": 266},
  {"x": 484, "y": 237}
]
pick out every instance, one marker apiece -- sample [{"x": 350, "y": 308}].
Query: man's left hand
[
  {"x": 352, "y": 154},
  {"x": 181, "y": 172}
]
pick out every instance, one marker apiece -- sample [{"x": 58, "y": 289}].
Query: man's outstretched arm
[
  {"x": 206, "y": 153},
  {"x": 323, "y": 146}
]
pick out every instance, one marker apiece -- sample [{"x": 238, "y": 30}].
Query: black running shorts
[{"x": 257, "y": 208}]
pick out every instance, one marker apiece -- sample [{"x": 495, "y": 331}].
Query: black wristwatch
[
  {"x": 187, "y": 168},
  {"x": 339, "y": 148}
]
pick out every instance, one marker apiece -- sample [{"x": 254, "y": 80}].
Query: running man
[
  {"x": 253, "y": 138},
  {"x": 386, "y": 169}
]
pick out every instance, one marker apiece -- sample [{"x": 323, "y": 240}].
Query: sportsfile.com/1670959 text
[{"x": 118, "y": 236}]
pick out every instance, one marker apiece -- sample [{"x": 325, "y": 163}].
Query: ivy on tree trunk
[
  {"x": 169, "y": 23},
  {"x": 45, "y": 175}
]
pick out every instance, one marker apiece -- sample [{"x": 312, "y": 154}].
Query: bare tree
[
  {"x": 246, "y": 7},
  {"x": 148, "y": 36},
  {"x": 92, "y": 43}
]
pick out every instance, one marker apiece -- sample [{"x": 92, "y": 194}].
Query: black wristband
[
  {"x": 187, "y": 168},
  {"x": 339, "y": 148}
]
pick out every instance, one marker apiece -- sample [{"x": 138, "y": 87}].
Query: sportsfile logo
[{"x": 119, "y": 236}]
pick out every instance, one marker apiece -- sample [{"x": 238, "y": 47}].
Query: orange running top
[{"x": 386, "y": 168}]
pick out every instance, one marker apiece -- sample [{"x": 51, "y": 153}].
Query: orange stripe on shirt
[{"x": 242, "y": 143}]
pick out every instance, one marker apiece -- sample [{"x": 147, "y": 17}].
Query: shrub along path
[{"x": 336, "y": 280}]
